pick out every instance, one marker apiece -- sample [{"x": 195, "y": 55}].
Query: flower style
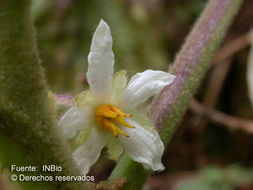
[{"x": 106, "y": 115}]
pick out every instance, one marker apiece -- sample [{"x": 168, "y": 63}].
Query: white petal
[
  {"x": 114, "y": 148},
  {"x": 119, "y": 84},
  {"x": 85, "y": 98},
  {"x": 144, "y": 146},
  {"x": 101, "y": 62},
  {"x": 144, "y": 85},
  {"x": 88, "y": 153},
  {"x": 74, "y": 119}
]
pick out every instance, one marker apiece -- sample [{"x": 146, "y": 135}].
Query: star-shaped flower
[{"x": 106, "y": 115}]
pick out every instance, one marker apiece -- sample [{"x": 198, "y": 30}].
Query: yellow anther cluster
[{"x": 107, "y": 115}]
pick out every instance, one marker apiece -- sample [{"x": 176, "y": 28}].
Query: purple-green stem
[{"x": 190, "y": 65}]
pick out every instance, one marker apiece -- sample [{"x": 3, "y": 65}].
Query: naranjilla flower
[{"x": 106, "y": 115}]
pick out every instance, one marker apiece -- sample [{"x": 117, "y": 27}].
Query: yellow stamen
[
  {"x": 121, "y": 132},
  {"x": 121, "y": 121},
  {"x": 104, "y": 111},
  {"x": 117, "y": 110},
  {"x": 106, "y": 124},
  {"x": 106, "y": 114}
]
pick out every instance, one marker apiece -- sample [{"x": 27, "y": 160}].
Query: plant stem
[
  {"x": 189, "y": 67},
  {"x": 191, "y": 64},
  {"x": 134, "y": 172},
  {"x": 28, "y": 131}
]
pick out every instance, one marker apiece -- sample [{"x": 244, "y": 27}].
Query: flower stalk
[{"x": 189, "y": 67}]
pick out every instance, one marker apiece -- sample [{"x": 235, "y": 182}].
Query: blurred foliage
[
  {"x": 139, "y": 30},
  {"x": 65, "y": 32},
  {"x": 213, "y": 178}
]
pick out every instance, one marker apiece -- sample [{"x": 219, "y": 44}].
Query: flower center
[{"x": 107, "y": 115}]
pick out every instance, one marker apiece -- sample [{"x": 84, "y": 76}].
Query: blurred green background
[{"x": 147, "y": 34}]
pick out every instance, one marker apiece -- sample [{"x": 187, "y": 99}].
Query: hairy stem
[
  {"x": 28, "y": 132},
  {"x": 189, "y": 66}
]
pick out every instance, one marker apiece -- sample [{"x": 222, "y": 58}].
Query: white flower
[{"x": 98, "y": 119}]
